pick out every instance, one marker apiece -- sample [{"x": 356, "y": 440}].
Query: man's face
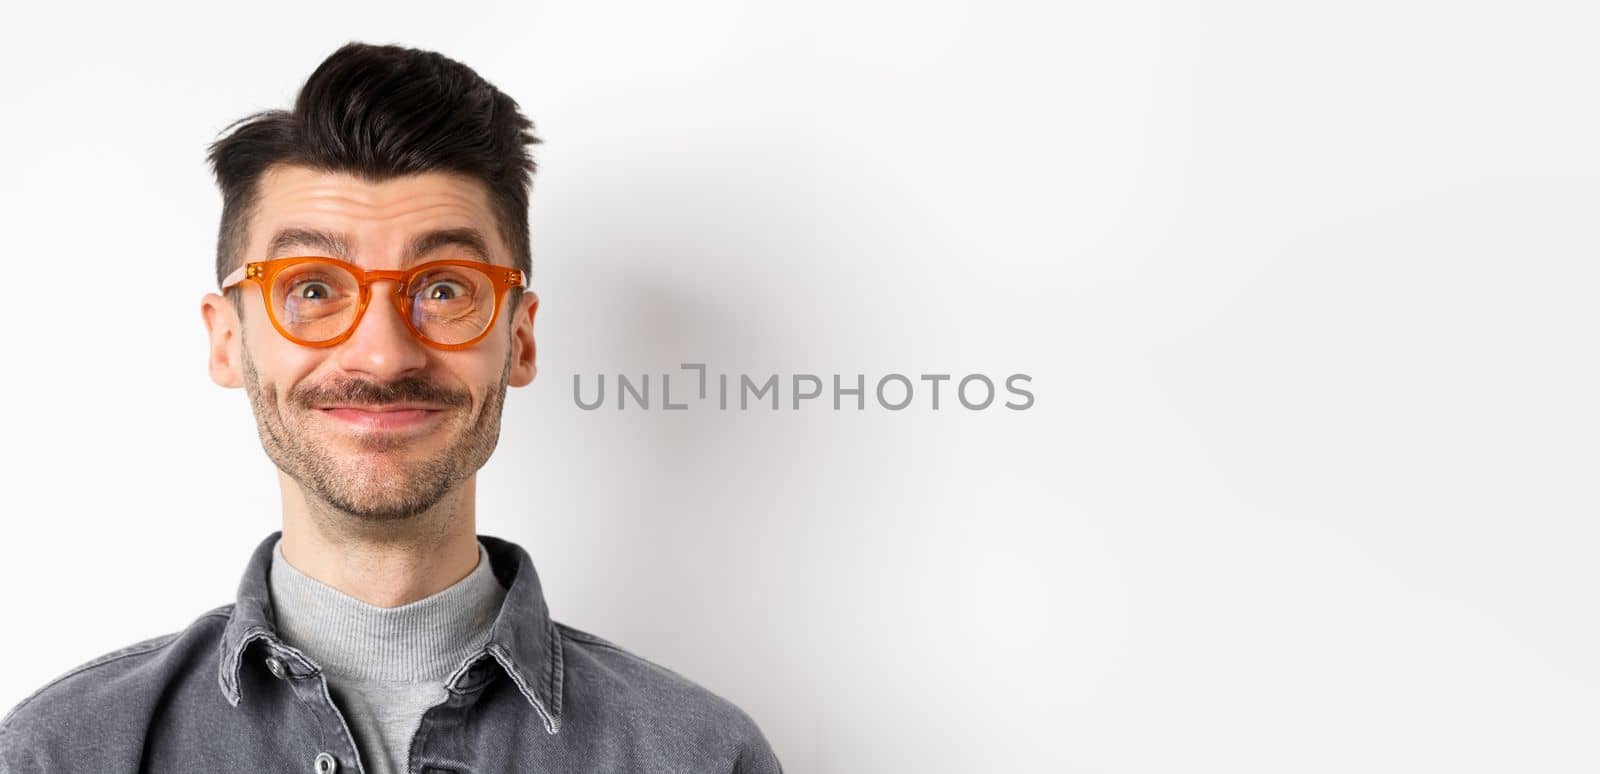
[{"x": 380, "y": 426}]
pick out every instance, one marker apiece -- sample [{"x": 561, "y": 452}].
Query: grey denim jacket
[{"x": 227, "y": 695}]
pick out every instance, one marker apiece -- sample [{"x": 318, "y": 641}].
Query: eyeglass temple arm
[{"x": 236, "y": 277}]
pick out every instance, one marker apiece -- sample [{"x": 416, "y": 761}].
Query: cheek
[
  {"x": 479, "y": 375},
  {"x": 482, "y": 364},
  {"x": 278, "y": 362}
]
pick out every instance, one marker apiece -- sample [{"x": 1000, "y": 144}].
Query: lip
[{"x": 389, "y": 418}]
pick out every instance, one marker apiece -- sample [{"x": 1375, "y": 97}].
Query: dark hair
[{"x": 379, "y": 112}]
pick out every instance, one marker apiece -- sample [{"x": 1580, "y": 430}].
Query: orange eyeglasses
[{"x": 316, "y": 301}]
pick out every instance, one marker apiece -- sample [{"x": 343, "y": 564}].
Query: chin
[
  {"x": 385, "y": 492},
  {"x": 394, "y": 507}
]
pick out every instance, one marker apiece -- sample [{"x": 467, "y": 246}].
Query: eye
[
  {"x": 444, "y": 290},
  {"x": 313, "y": 290}
]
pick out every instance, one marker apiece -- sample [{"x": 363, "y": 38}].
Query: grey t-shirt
[{"x": 385, "y": 666}]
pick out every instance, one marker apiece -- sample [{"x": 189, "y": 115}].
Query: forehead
[{"x": 376, "y": 219}]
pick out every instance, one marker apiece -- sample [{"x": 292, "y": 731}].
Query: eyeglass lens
[{"x": 446, "y": 304}]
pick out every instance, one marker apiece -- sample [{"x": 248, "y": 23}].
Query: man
[{"x": 374, "y": 253}]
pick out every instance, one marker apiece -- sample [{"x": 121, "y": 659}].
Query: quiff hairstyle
[{"x": 380, "y": 112}]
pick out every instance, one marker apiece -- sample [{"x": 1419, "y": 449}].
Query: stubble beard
[{"x": 397, "y": 489}]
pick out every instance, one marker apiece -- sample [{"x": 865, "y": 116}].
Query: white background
[{"x": 1307, "y": 293}]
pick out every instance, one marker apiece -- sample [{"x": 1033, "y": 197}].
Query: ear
[
  {"x": 524, "y": 352},
  {"x": 222, "y": 325}
]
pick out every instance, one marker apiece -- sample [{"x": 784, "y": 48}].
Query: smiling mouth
[{"x": 383, "y": 418}]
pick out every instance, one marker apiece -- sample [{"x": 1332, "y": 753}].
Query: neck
[{"x": 384, "y": 563}]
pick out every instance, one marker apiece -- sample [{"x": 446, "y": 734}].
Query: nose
[{"x": 381, "y": 345}]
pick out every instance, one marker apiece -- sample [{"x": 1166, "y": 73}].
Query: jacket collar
[{"x": 522, "y": 640}]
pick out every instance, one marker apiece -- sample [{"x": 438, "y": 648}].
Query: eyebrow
[
  {"x": 326, "y": 241},
  {"x": 469, "y": 239},
  {"x": 338, "y": 246}
]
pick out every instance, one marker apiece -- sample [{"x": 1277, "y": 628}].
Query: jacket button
[
  {"x": 275, "y": 666},
  {"x": 325, "y": 764}
]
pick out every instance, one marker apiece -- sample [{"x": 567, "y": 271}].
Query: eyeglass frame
[{"x": 264, "y": 272}]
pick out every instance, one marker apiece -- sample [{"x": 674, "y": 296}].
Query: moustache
[{"x": 358, "y": 392}]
